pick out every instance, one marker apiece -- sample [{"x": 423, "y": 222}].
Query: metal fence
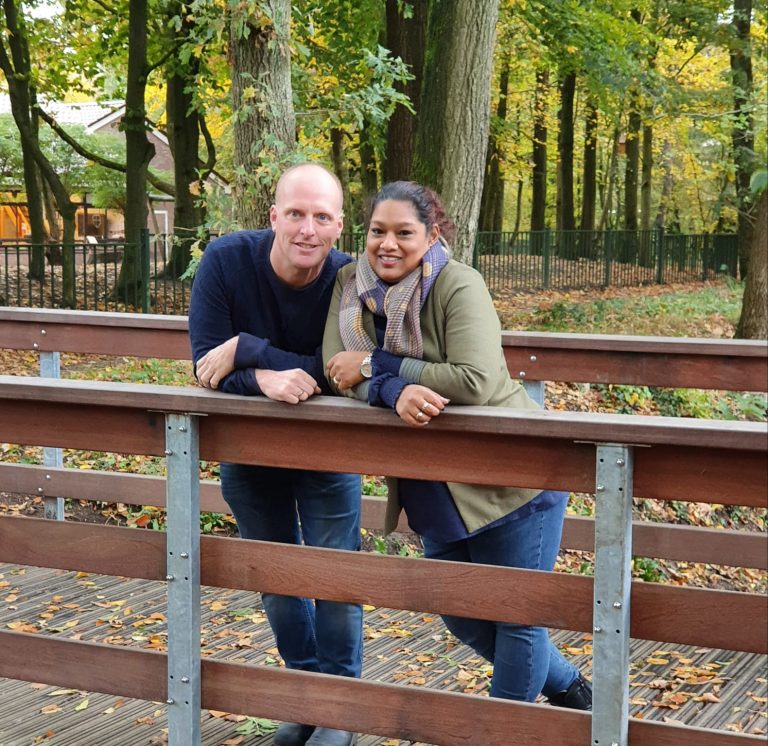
[{"x": 87, "y": 275}]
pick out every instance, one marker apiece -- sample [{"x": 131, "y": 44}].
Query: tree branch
[
  {"x": 158, "y": 183},
  {"x": 210, "y": 160}
]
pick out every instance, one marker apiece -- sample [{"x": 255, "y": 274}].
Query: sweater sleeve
[{"x": 210, "y": 323}]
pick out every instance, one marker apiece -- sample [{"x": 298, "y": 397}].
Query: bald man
[{"x": 256, "y": 318}]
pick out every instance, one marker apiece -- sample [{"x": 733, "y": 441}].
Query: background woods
[{"x": 530, "y": 115}]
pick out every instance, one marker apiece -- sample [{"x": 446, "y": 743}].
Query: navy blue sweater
[{"x": 236, "y": 292}]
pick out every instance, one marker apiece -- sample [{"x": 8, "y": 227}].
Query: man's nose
[{"x": 308, "y": 225}]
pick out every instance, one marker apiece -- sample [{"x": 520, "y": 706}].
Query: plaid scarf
[{"x": 400, "y": 304}]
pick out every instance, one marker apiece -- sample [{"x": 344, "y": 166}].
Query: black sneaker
[
  {"x": 578, "y": 696},
  {"x": 293, "y": 734}
]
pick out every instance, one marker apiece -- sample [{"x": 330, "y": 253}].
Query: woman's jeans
[
  {"x": 323, "y": 509},
  {"x": 525, "y": 662}
]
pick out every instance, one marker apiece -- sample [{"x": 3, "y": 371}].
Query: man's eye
[
  {"x": 293, "y": 213},
  {"x": 323, "y": 218}
]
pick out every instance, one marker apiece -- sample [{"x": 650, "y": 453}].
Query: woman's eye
[{"x": 375, "y": 231}]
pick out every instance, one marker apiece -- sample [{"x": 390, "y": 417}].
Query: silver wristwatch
[{"x": 366, "y": 369}]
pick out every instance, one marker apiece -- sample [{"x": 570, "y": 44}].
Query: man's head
[{"x": 307, "y": 219}]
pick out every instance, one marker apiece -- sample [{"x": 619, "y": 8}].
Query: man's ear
[{"x": 272, "y": 216}]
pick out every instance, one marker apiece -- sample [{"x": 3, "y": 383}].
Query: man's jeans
[
  {"x": 525, "y": 661},
  {"x": 323, "y": 508}
]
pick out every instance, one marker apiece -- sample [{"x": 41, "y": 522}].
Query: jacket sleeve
[{"x": 473, "y": 365}]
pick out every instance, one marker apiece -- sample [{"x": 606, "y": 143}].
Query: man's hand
[
  {"x": 418, "y": 405},
  {"x": 344, "y": 368},
  {"x": 292, "y": 386},
  {"x": 216, "y": 363}
]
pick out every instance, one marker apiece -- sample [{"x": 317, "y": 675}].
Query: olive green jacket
[{"x": 463, "y": 361}]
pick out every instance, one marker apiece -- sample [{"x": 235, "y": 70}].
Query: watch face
[{"x": 366, "y": 369}]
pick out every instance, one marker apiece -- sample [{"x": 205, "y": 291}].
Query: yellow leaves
[
  {"x": 657, "y": 661},
  {"x": 50, "y": 709},
  {"x": 82, "y": 705},
  {"x": 218, "y": 605},
  {"x": 23, "y": 627}
]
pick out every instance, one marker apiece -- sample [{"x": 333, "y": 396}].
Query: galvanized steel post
[
  {"x": 183, "y": 563},
  {"x": 613, "y": 557},
  {"x": 50, "y": 367}
]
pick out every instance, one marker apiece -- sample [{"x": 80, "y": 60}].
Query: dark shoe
[
  {"x": 292, "y": 734},
  {"x": 578, "y": 696},
  {"x": 331, "y": 737}
]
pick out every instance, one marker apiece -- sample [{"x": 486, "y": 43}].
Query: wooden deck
[{"x": 696, "y": 686}]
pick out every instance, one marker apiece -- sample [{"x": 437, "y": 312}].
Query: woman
[{"x": 411, "y": 329}]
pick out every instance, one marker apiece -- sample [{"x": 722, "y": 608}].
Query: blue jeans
[
  {"x": 323, "y": 509},
  {"x": 525, "y": 662}
]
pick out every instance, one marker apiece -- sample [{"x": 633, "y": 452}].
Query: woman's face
[{"x": 397, "y": 240}]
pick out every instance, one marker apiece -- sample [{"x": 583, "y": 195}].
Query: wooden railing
[
  {"x": 716, "y": 462},
  {"x": 716, "y": 364}
]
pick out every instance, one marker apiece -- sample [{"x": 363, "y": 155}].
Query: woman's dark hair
[{"x": 429, "y": 207}]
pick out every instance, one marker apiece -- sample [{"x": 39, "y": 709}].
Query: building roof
[{"x": 89, "y": 114}]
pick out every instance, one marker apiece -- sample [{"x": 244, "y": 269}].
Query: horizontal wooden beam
[
  {"x": 390, "y": 710},
  {"x": 563, "y": 601},
  {"x": 732, "y": 365},
  {"x": 736, "y": 548}
]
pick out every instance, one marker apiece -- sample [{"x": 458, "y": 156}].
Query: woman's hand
[
  {"x": 344, "y": 368},
  {"x": 418, "y": 405}
]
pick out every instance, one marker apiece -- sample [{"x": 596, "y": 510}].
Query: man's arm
[{"x": 215, "y": 346}]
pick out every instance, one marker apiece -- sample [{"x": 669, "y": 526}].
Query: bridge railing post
[
  {"x": 183, "y": 577},
  {"x": 612, "y": 586}
]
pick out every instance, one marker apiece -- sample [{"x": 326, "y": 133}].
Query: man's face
[{"x": 307, "y": 221}]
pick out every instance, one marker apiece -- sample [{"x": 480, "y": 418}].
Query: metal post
[
  {"x": 661, "y": 258},
  {"x": 50, "y": 367},
  {"x": 613, "y": 556},
  {"x": 183, "y": 556}
]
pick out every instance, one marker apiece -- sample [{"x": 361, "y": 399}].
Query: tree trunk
[
  {"x": 406, "y": 38},
  {"x": 339, "y": 160},
  {"x": 565, "y": 151},
  {"x": 753, "y": 323},
  {"x": 589, "y": 178},
  {"x": 17, "y": 71},
  {"x": 611, "y": 178},
  {"x": 632, "y": 171},
  {"x": 492, "y": 203},
  {"x": 667, "y": 184},
  {"x": 453, "y": 128},
  {"x": 539, "y": 176},
  {"x": 184, "y": 139},
  {"x": 742, "y": 134},
  {"x": 645, "y": 196},
  {"x": 138, "y": 153},
  {"x": 368, "y": 173},
  {"x": 264, "y": 120}
]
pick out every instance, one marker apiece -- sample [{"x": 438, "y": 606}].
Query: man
[{"x": 256, "y": 319}]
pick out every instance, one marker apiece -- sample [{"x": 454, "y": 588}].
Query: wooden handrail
[{"x": 733, "y": 365}]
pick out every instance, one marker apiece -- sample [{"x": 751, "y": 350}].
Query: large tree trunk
[
  {"x": 589, "y": 178},
  {"x": 406, "y": 39},
  {"x": 667, "y": 184},
  {"x": 369, "y": 179},
  {"x": 610, "y": 180},
  {"x": 753, "y": 323},
  {"x": 742, "y": 134},
  {"x": 264, "y": 120},
  {"x": 138, "y": 153},
  {"x": 539, "y": 175},
  {"x": 453, "y": 127}
]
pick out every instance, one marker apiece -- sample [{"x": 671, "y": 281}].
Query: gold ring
[
  {"x": 419, "y": 415},
  {"x": 424, "y": 406}
]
